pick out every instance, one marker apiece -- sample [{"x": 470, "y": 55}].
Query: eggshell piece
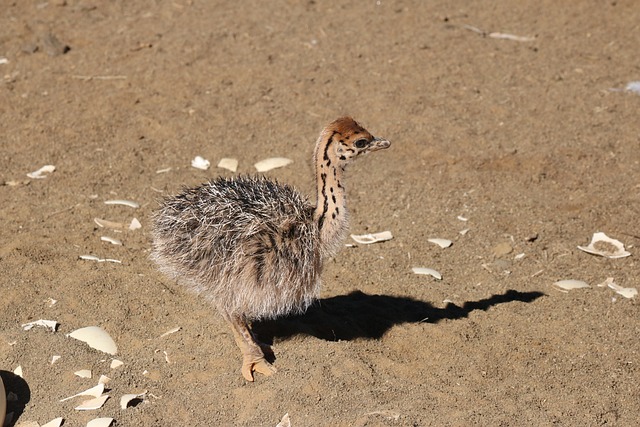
[
  {"x": 49, "y": 324},
  {"x": 570, "y": 284},
  {"x": 228, "y": 164},
  {"x": 92, "y": 404},
  {"x": 200, "y": 163},
  {"x": 39, "y": 174},
  {"x": 285, "y": 421},
  {"x": 128, "y": 203},
  {"x": 95, "y": 391},
  {"x": 443, "y": 243},
  {"x": 100, "y": 422},
  {"x": 83, "y": 373},
  {"x": 367, "y": 239},
  {"x": 427, "y": 271},
  {"x": 56, "y": 422},
  {"x": 115, "y": 363},
  {"x": 605, "y": 246},
  {"x": 272, "y": 163},
  {"x": 625, "y": 292},
  {"x": 125, "y": 399},
  {"x": 95, "y": 337},
  {"x": 135, "y": 224}
]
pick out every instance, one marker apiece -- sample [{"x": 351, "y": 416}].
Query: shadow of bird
[{"x": 359, "y": 315}]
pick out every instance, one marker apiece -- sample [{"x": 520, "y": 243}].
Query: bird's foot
[
  {"x": 256, "y": 363},
  {"x": 255, "y": 355}
]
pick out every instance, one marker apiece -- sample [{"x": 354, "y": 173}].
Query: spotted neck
[{"x": 331, "y": 210}]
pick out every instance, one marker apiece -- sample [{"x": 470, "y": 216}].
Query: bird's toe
[{"x": 256, "y": 364}]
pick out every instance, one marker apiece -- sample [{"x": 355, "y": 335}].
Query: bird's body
[
  {"x": 255, "y": 248},
  {"x": 249, "y": 245}
]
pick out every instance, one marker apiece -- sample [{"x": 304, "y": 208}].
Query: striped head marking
[{"x": 352, "y": 140}]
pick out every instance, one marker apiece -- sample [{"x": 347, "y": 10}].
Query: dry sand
[{"x": 524, "y": 139}]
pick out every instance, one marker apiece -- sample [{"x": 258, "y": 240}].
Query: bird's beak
[{"x": 379, "y": 144}]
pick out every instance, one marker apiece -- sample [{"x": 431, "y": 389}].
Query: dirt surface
[{"x": 523, "y": 139}]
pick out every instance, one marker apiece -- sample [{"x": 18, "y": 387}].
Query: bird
[{"x": 254, "y": 248}]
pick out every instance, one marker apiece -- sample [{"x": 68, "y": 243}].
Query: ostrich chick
[{"x": 255, "y": 248}]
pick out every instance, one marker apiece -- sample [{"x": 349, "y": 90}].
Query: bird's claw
[{"x": 257, "y": 364}]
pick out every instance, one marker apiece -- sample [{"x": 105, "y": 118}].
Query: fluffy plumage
[
  {"x": 255, "y": 248},
  {"x": 247, "y": 244}
]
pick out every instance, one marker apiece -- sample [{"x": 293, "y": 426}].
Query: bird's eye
[{"x": 361, "y": 143}]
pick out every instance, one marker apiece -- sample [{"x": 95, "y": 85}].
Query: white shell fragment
[
  {"x": 129, "y": 203},
  {"x": 110, "y": 240},
  {"x": 55, "y": 358},
  {"x": 83, "y": 373},
  {"x": 95, "y": 391},
  {"x": 633, "y": 87},
  {"x": 171, "y": 331},
  {"x": 605, "y": 246},
  {"x": 228, "y": 164},
  {"x": 443, "y": 243},
  {"x": 49, "y": 324},
  {"x": 125, "y": 399},
  {"x": 570, "y": 284},
  {"x": 285, "y": 421},
  {"x": 427, "y": 271},
  {"x": 100, "y": 422},
  {"x": 56, "y": 422},
  {"x": 506, "y": 36},
  {"x": 461, "y": 218},
  {"x": 95, "y": 258},
  {"x": 115, "y": 363},
  {"x": 272, "y": 163},
  {"x": 18, "y": 371},
  {"x": 104, "y": 380},
  {"x": 92, "y": 404},
  {"x": 96, "y": 338},
  {"x": 38, "y": 174},
  {"x": 200, "y": 163},
  {"x": 625, "y": 292},
  {"x": 367, "y": 239},
  {"x": 135, "y": 224}
]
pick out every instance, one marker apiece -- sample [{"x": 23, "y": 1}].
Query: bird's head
[{"x": 350, "y": 140}]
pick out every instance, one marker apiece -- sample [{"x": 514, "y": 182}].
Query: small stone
[
  {"x": 29, "y": 48},
  {"x": 53, "y": 46},
  {"x": 502, "y": 249}
]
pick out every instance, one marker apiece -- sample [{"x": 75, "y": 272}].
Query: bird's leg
[{"x": 252, "y": 354}]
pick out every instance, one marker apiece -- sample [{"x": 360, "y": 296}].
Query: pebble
[
  {"x": 53, "y": 46},
  {"x": 502, "y": 249}
]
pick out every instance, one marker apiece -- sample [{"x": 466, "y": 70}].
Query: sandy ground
[{"x": 524, "y": 139}]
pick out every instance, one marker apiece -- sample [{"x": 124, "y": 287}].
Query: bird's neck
[{"x": 331, "y": 210}]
